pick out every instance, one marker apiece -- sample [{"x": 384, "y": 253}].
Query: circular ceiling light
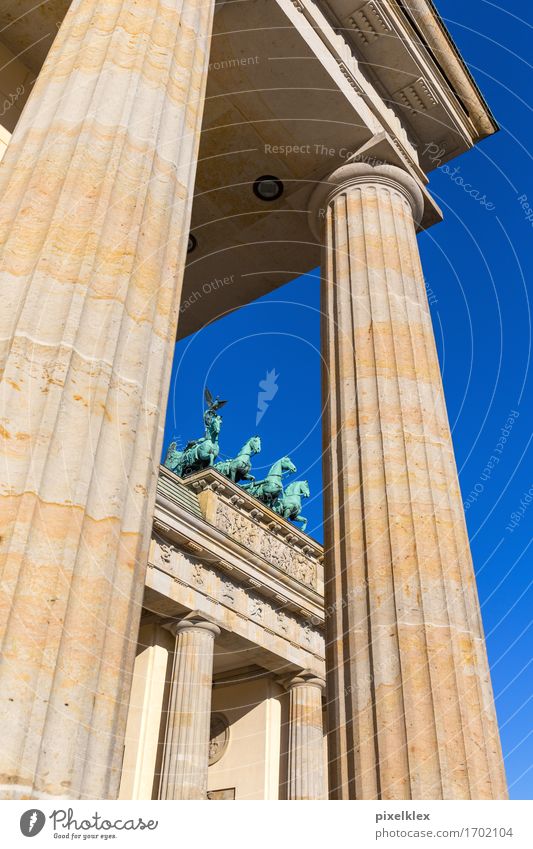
[
  {"x": 191, "y": 243},
  {"x": 268, "y": 188}
]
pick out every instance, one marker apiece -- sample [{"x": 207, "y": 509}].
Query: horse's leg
[{"x": 303, "y": 520}]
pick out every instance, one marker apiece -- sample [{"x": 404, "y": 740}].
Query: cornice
[
  {"x": 427, "y": 22},
  {"x": 340, "y": 49},
  {"x": 438, "y": 89}
]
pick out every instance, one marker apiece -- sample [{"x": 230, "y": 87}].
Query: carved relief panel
[{"x": 275, "y": 550}]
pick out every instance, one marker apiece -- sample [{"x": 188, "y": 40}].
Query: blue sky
[{"x": 477, "y": 267}]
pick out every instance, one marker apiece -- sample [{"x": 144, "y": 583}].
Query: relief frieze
[
  {"x": 274, "y": 549},
  {"x": 226, "y": 590}
]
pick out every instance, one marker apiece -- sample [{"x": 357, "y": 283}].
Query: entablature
[
  {"x": 406, "y": 50},
  {"x": 238, "y": 529},
  {"x": 222, "y": 552}
]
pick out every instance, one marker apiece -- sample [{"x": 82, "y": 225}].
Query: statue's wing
[
  {"x": 208, "y": 397},
  {"x": 218, "y": 404}
]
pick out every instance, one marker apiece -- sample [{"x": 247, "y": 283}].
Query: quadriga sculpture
[{"x": 201, "y": 453}]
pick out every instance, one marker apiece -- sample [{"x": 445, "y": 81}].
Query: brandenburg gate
[{"x": 170, "y": 635}]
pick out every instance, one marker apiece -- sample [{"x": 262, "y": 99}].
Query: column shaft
[
  {"x": 185, "y": 759},
  {"x": 96, "y": 190},
  {"x": 410, "y": 705},
  {"x": 306, "y": 740}
]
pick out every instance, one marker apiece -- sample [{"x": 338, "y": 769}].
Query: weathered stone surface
[
  {"x": 411, "y": 712},
  {"x": 98, "y": 174}
]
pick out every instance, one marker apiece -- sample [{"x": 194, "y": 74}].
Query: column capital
[
  {"x": 305, "y": 678},
  {"x": 355, "y": 173},
  {"x": 192, "y": 622}
]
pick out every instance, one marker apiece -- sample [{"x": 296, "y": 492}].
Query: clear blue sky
[{"x": 478, "y": 267}]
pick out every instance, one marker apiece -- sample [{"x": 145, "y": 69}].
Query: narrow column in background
[
  {"x": 410, "y": 705},
  {"x": 186, "y": 754},
  {"x": 96, "y": 191},
  {"x": 306, "y": 738}
]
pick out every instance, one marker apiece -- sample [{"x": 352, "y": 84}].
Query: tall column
[
  {"x": 410, "y": 704},
  {"x": 306, "y": 738},
  {"x": 186, "y": 755},
  {"x": 95, "y": 191}
]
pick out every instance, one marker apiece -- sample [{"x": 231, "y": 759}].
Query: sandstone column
[
  {"x": 306, "y": 738},
  {"x": 185, "y": 759},
  {"x": 95, "y": 195},
  {"x": 410, "y": 705}
]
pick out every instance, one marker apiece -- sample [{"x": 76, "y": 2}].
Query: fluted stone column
[
  {"x": 306, "y": 738},
  {"x": 95, "y": 192},
  {"x": 410, "y": 704},
  {"x": 186, "y": 754}
]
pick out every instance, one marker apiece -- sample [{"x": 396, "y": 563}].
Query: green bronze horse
[
  {"x": 198, "y": 453},
  {"x": 238, "y": 469},
  {"x": 271, "y": 487},
  {"x": 289, "y": 504}
]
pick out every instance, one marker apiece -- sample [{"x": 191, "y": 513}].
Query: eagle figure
[{"x": 213, "y": 404}]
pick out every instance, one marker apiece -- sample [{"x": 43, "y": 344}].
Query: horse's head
[
  {"x": 287, "y": 465},
  {"x": 255, "y": 444},
  {"x": 298, "y": 488}
]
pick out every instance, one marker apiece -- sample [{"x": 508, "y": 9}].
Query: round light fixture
[
  {"x": 268, "y": 188},
  {"x": 191, "y": 243}
]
